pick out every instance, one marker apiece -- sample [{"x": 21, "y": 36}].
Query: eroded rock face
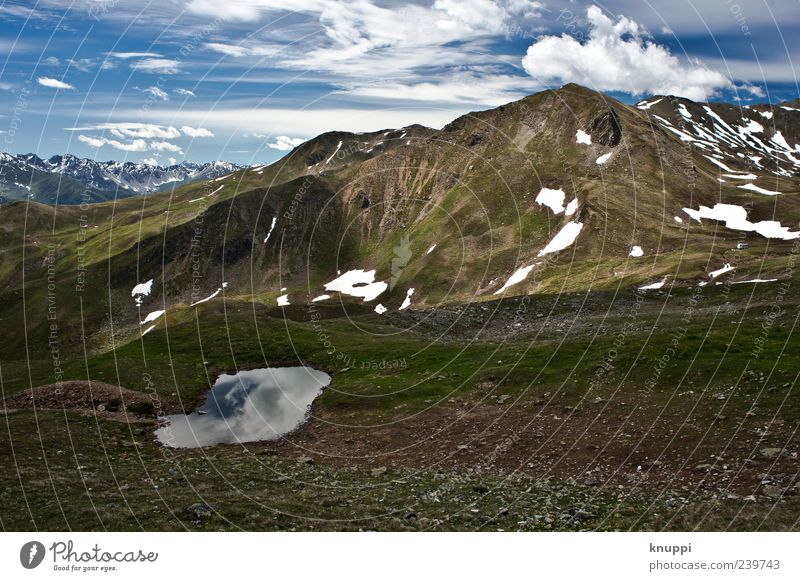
[{"x": 605, "y": 129}]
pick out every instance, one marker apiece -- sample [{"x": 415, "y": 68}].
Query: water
[{"x": 250, "y": 406}]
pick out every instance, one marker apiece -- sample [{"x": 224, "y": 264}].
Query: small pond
[{"x": 249, "y": 406}]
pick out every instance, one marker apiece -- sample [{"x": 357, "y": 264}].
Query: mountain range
[
  {"x": 67, "y": 179},
  {"x": 564, "y": 190}
]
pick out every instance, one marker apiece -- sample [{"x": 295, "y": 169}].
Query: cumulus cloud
[
  {"x": 157, "y": 93},
  {"x": 616, "y": 57},
  {"x": 150, "y": 161},
  {"x": 196, "y": 131},
  {"x": 184, "y": 92},
  {"x": 162, "y": 66},
  {"x": 285, "y": 143},
  {"x": 165, "y": 146},
  {"x": 53, "y": 83},
  {"x": 135, "y": 145}
]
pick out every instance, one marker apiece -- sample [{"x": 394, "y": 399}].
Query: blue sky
[{"x": 245, "y": 80}]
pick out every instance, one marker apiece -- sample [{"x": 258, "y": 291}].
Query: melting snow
[
  {"x": 151, "y": 317},
  {"x": 723, "y": 270},
  {"x": 320, "y": 298},
  {"x": 735, "y": 218},
  {"x": 719, "y": 163},
  {"x": 654, "y": 286},
  {"x": 380, "y": 309},
  {"x": 582, "y": 137},
  {"x": 644, "y": 106},
  {"x": 407, "y": 300},
  {"x": 636, "y": 252},
  {"x": 755, "y": 188},
  {"x": 211, "y": 296},
  {"x": 565, "y": 237},
  {"x": 572, "y": 207},
  {"x": 283, "y": 301},
  {"x": 334, "y": 153},
  {"x": 358, "y": 283},
  {"x": 755, "y": 280},
  {"x": 141, "y": 290},
  {"x": 553, "y": 199},
  {"x": 603, "y": 158},
  {"x": 271, "y": 228},
  {"x": 520, "y": 275}
]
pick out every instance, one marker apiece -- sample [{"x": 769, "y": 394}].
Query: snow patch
[
  {"x": 582, "y": 137},
  {"x": 603, "y": 158},
  {"x": 723, "y": 270},
  {"x": 151, "y": 317},
  {"x": 407, "y": 300},
  {"x": 565, "y": 237},
  {"x": 380, "y": 309},
  {"x": 518, "y": 276},
  {"x": 320, "y": 298},
  {"x": 142, "y": 289},
  {"x": 735, "y": 218},
  {"x": 271, "y": 228},
  {"x": 431, "y": 249},
  {"x": 571, "y": 208},
  {"x": 283, "y": 301},
  {"x": 358, "y": 283},
  {"x": 644, "y": 106},
  {"x": 765, "y": 114},
  {"x": 654, "y": 286},
  {"x": 553, "y": 199},
  {"x": 755, "y": 188},
  {"x": 636, "y": 251}
]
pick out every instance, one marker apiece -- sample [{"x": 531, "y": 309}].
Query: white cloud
[
  {"x": 285, "y": 143},
  {"x": 133, "y": 55},
  {"x": 157, "y": 93},
  {"x": 490, "y": 90},
  {"x": 150, "y": 161},
  {"x": 306, "y": 122},
  {"x": 172, "y": 161},
  {"x": 82, "y": 65},
  {"x": 196, "y": 131},
  {"x": 135, "y": 130},
  {"x": 51, "y": 61},
  {"x": 165, "y": 146},
  {"x": 616, "y": 57},
  {"x": 135, "y": 145},
  {"x": 184, "y": 92},
  {"x": 53, "y": 83},
  {"x": 161, "y": 66}
]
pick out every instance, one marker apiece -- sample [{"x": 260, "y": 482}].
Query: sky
[{"x": 246, "y": 80}]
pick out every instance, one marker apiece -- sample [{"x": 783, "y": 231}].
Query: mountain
[
  {"x": 564, "y": 190},
  {"x": 66, "y": 179}
]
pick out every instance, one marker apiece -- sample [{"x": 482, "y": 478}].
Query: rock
[
  {"x": 305, "y": 460},
  {"x": 501, "y": 399},
  {"x": 411, "y": 516},
  {"x": 673, "y": 503},
  {"x": 380, "y": 471},
  {"x": 201, "y": 510},
  {"x": 480, "y": 489},
  {"x": 269, "y": 452},
  {"x": 578, "y": 515},
  {"x": 771, "y": 491},
  {"x": 771, "y": 453},
  {"x": 591, "y": 480}
]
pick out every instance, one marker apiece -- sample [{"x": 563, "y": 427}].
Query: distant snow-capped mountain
[{"x": 67, "y": 179}]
